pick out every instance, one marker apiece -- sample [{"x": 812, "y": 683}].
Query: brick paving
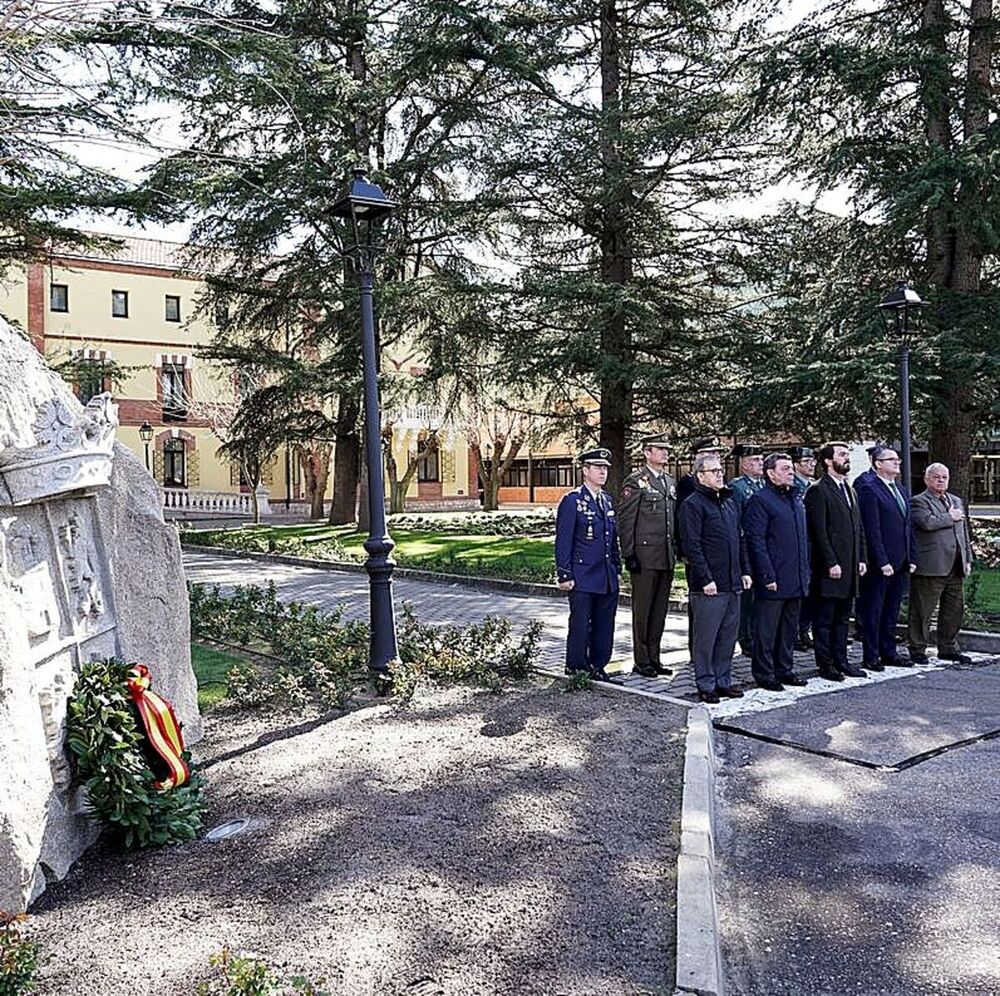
[{"x": 450, "y": 604}]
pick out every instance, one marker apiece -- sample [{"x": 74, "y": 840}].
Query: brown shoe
[
  {"x": 730, "y": 693},
  {"x": 710, "y": 697}
]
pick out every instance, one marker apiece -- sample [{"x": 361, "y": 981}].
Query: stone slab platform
[{"x": 888, "y": 723}]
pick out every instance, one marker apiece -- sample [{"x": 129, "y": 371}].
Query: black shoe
[
  {"x": 646, "y": 670},
  {"x": 956, "y": 657},
  {"x": 710, "y": 697},
  {"x": 771, "y": 686},
  {"x": 795, "y": 681},
  {"x": 661, "y": 668},
  {"x": 873, "y": 665},
  {"x": 853, "y": 671},
  {"x": 830, "y": 674},
  {"x": 600, "y": 675},
  {"x": 895, "y": 662},
  {"x": 730, "y": 693},
  {"x": 919, "y": 658},
  {"x": 804, "y": 642}
]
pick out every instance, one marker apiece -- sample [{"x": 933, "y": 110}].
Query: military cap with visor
[{"x": 600, "y": 457}]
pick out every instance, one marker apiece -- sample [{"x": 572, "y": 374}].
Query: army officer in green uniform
[{"x": 646, "y": 534}]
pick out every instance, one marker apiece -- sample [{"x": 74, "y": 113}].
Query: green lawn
[
  {"x": 983, "y": 589},
  {"x": 210, "y": 669}
]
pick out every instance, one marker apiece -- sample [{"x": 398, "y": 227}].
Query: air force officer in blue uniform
[{"x": 588, "y": 563}]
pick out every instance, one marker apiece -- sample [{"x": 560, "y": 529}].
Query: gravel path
[{"x": 473, "y": 844}]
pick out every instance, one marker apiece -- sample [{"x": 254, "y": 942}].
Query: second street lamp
[
  {"x": 900, "y": 310},
  {"x": 364, "y": 205},
  {"x": 146, "y": 435}
]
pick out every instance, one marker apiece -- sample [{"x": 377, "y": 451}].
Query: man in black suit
[{"x": 837, "y": 543}]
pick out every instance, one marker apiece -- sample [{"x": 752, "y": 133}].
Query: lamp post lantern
[
  {"x": 900, "y": 311},
  {"x": 363, "y": 205},
  {"x": 146, "y": 435}
]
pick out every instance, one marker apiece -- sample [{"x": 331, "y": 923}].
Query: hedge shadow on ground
[{"x": 491, "y": 844}]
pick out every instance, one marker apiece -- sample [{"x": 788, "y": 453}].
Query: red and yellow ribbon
[{"x": 162, "y": 729}]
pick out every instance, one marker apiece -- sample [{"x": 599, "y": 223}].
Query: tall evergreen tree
[
  {"x": 279, "y": 101},
  {"x": 897, "y": 102},
  {"x": 616, "y": 152}
]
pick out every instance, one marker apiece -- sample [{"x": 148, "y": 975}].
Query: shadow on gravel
[{"x": 479, "y": 844}]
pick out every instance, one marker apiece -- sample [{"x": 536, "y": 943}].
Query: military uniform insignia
[
  {"x": 626, "y": 491},
  {"x": 673, "y": 491},
  {"x": 643, "y": 482}
]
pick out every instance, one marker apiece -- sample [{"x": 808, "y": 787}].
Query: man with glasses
[
  {"x": 646, "y": 527},
  {"x": 885, "y": 514},
  {"x": 717, "y": 573},
  {"x": 774, "y": 526}
]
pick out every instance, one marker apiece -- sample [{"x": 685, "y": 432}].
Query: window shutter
[
  {"x": 158, "y": 466},
  {"x": 267, "y": 475},
  {"x": 193, "y": 469},
  {"x": 447, "y": 458}
]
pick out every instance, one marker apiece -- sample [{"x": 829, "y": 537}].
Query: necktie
[
  {"x": 845, "y": 494},
  {"x": 898, "y": 497}
]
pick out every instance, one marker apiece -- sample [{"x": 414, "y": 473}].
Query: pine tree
[{"x": 894, "y": 102}]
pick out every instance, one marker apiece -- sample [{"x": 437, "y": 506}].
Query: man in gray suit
[{"x": 944, "y": 559}]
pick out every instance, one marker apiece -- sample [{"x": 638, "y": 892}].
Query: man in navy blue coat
[
  {"x": 885, "y": 514},
  {"x": 588, "y": 563},
  {"x": 774, "y": 527}
]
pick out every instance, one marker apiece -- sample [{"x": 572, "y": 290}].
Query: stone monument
[{"x": 88, "y": 570}]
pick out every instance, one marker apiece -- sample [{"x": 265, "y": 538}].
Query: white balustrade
[{"x": 222, "y": 502}]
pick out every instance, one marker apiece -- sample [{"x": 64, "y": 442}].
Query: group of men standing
[{"x": 767, "y": 557}]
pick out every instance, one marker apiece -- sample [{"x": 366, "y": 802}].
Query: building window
[
  {"x": 516, "y": 475},
  {"x": 172, "y": 392},
  {"x": 429, "y": 469},
  {"x": 172, "y": 304},
  {"x": 174, "y": 463},
  {"x": 119, "y": 304},
  {"x": 221, "y": 315},
  {"x": 58, "y": 297},
  {"x": 89, "y": 380},
  {"x": 554, "y": 473}
]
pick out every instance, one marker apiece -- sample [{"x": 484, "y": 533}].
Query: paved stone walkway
[{"x": 452, "y": 604}]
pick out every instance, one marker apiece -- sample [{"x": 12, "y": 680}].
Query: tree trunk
[
  {"x": 616, "y": 262},
  {"x": 315, "y": 463},
  {"x": 954, "y": 428},
  {"x": 346, "y": 462}
]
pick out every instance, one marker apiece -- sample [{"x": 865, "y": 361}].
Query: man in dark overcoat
[
  {"x": 837, "y": 545},
  {"x": 587, "y": 567},
  {"x": 717, "y": 573},
  {"x": 774, "y": 526}
]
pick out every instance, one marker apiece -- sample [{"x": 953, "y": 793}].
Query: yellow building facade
[{"x": 135, "y": 307}]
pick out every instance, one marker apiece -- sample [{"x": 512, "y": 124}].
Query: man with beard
[{"x": 837, "y": 544}]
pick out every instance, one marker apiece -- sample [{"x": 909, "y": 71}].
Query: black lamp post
[
  {"x": 146, "y": 435},
  {"x": 900, "y": 310},
  {"x": 364, "y": 205}
]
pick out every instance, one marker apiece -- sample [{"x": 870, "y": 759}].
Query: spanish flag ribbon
[{"x": 162, "y": 729}]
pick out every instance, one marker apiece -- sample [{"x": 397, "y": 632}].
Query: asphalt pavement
[{"x": 861, "y": 855}]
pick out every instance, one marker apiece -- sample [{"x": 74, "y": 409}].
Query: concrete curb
[
  {"x": 498, "y": 585},
  {"x": 699, "y": 952}
]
